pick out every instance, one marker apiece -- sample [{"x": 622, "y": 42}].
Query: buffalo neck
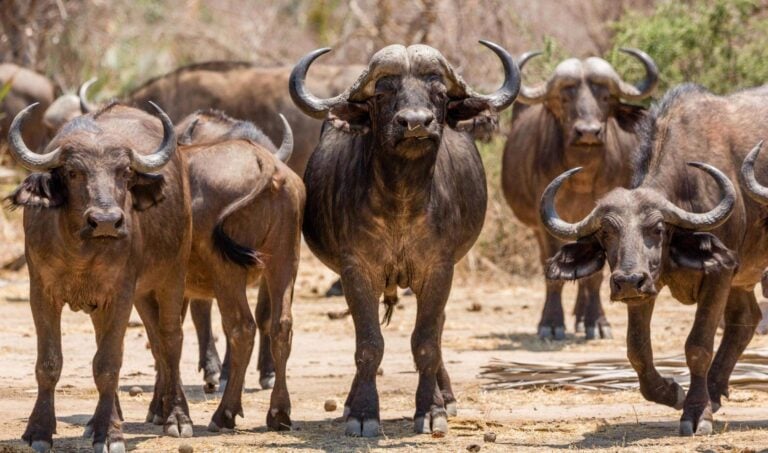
[{"x": 401, "y": 183}]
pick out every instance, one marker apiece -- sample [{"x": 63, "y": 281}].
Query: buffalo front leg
[
  {"x": 362, "y": 405},
  {"x": 431, "y": 297},
  {"x": 697, "y": 409},
  {"x": 742, "y": 316},
  {"x": 47, "y": 318},
  {"x": 265, "y": 365},
  {"x": 552, "y": 323},
  {"x": 590, "y": 317},
  {"x": 209, "y": 361},
  {"x": 110, "y": 325},
  {"x": 653, "y": 387}
]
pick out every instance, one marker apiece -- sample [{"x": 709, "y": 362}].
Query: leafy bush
[{"x": 720, "y": 44}]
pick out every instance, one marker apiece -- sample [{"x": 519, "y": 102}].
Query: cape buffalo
[
  {"x": 395, "y": 197},
  {"x": 247, "y": 209},
  {"x": 672, "y": 228},
  {"x": 107, "y": 222},
  {"x": 27, "y": 87},
  {"x": 576, "y": 118}
]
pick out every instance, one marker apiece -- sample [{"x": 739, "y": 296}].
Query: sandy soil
[{"x": 321, "y": 368}]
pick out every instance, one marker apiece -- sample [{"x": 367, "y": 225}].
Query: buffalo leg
[
  {"x": 47, "y": 318},
  {"x": 110, "y": 325},
  {"x": 265, "y": 365},
  {"x": 209, "y": 361},
  {"x": 431, "y": 297},
  {"x": 240, "y": 328},
  {"x": 362, "y": 405},
  {"x": 589, "y": 309},
  {"x": 444, "y": 383},
  {"x": 697, "y": 409},
  {"x": 653, "y": 387},
  {"x": 742, "y": 316},
  {"x": 552, "y": 323}
]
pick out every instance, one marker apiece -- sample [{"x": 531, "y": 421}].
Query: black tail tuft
[
  {"x": 234, "y": 252},
  {"x": 389, "y": 307}
]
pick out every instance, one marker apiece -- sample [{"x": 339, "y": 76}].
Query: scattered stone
[
  {"x": 135, "y": 391},
  {"x": 186, "y": 448},
  {"x": 473, "y": 447},
  {"x": 333, "y": 315},
  {"x": 475, "y": 307},
  {"x": 380, "y": 372},
  {"x": 330, "y": 405},
  {"x": 498, "y": 308},
  {"x": 489, "y": 437}
]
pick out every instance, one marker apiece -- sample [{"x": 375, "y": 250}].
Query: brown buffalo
[
  {"x": 674, "y": 228},
  {"x": 108, "y": 225},
  {"x": 395, "y": 197},
  {"x": 247, "y": 209},
  {"x": 27, "y": 87},
  {"x": 576, "y": 118}
]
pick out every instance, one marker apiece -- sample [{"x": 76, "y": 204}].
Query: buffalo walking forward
[
  {"x": 576, "y": 118},
  {"x": 395, "y": 197},
  {"x": 675, "y": 228},
  {"x": 107, "y": 222}
]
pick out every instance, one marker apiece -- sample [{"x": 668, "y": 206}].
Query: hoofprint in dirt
[{"x": 485, "y": 321}]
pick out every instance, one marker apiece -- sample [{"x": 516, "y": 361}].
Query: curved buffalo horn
[
  {"x": 643, "y": 89},
  {"x": 706, "y": 220},
  {"x": 82, "y": 94},
  {"x": 286, "y": 148},
  {"x": 304, "y": 100},
  {"x": 148, "y": 163},
  {"x": 531, "y": 95},
  {"x": 558, "y": 227},
  {"x": 506, "y": 94},
  {"x": 23, "y": 155},
  {"x": 754, "y": 189}
]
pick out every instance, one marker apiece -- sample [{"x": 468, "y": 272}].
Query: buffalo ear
[
  {"x": 39, "y": 190},
  {"x": 147, "y": 190},
  {"x": 350, "y": 117},
  {"x": 700, "y": 251},
  {"x": 465, "y": 109},
  {"x": 576, "y": 260},
  {"x": 628, "y": 116}
]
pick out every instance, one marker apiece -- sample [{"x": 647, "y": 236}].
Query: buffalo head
[
  {"x": 405, "y": 97},
  {"x": 584, "y": 94},
  {"x": 91, "y": 168},
  {"x": 638, "y": 232}
]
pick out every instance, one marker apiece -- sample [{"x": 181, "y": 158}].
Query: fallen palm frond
[{"x": 751, "y": 372}]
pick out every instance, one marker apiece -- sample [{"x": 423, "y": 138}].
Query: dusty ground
[{"x": 321, "y": 367}]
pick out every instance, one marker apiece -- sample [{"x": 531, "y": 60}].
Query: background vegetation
[{"x": 721, "y": 44}]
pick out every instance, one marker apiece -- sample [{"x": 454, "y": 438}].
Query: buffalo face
[{"x": 639, "y": 233}]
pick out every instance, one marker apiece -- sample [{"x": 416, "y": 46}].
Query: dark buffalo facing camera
[
  {"x": 675, "y": 228},
  {"x": 107, "y": 224},
  {"x": 395, "y": 197},
  {"x": 577, "y": 118}
]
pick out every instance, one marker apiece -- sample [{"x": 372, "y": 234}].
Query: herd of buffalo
[{"x": 178, "y": 194}]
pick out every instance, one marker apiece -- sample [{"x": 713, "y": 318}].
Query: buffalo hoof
[
  {"x": 114, "y": 447},
  {"x": 450, "y": 409},
  {"x": 579, "y": 328},
  {"x": 702, "y": 428},
  {"x": 214, "y": 428},
  {"x": 268, "y": 381},
  {"x": 368, "y": 427},
  {"x": 347, "y": 411},
  {"x": 335, "y": 290},
  {"x": 223, "y": 420},
  {"x": 279, "y": 420},
  {"x": 178, "y": 426},
  {"x": 552, "y": 333},
  {"x": 680, "y": 401},
  {"x": 211, "y": 383},
  {"x": 41, "y": 446},
  {"x": 434, "y": 422}
]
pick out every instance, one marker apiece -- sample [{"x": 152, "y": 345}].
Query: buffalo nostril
[
  {"x": 428, "y": 120},
  {"x": 120, "y": 221},
  {"x": 92, "y": 222},
  {"x": 402, "y": 121},
  {"x": 640, "y": 282}
]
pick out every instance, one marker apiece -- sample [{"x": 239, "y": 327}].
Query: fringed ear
[
  {"x": 628, "y": 116},
  {"x": 351, "y": 117},
  {"x": 576, "y": 260},
  {"x": 465, "y": 109},
  {"x": 39, "y": 190},
  {"x": 700, "y": 251},
  {"x": 186, "y": 137},
  {"x": 147, "y": 190}
]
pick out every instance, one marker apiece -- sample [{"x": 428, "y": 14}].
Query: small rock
[
  {"x": 380, "y": 372},
  {"x": 489, "y": 437},
  {"x": 473, "y": 447},
  {"x": 330, "y": 405},
  {"x": 475, "y": 307},
  {"x": 186, "y": 448},
  {"x": 333, "y": 315},
  {"x": 135, "y": 391}
]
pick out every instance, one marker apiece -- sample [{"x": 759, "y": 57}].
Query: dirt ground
[{"x": 321, "y": 368}]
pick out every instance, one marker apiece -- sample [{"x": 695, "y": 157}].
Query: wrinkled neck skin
[{"x": 591, "y": 159}]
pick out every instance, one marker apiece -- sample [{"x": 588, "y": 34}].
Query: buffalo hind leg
[
  {"x": 653, "y": 386},
  {"x": 266, "y": 364},
  {"x": 742, "y": 316},
  {"x": 209, "y": 361},
  {"x": 362, "y": 405},
  {"x": 431, "y": 297},
  {"x": 590, "y": 317},
  {"x": 42, "y": 422},
  {"x": 444, "y": 383}
]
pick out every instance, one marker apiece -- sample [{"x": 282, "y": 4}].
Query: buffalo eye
[
  {"x": 125, "y": 172},
  {"x": 72, "y": 174}
]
